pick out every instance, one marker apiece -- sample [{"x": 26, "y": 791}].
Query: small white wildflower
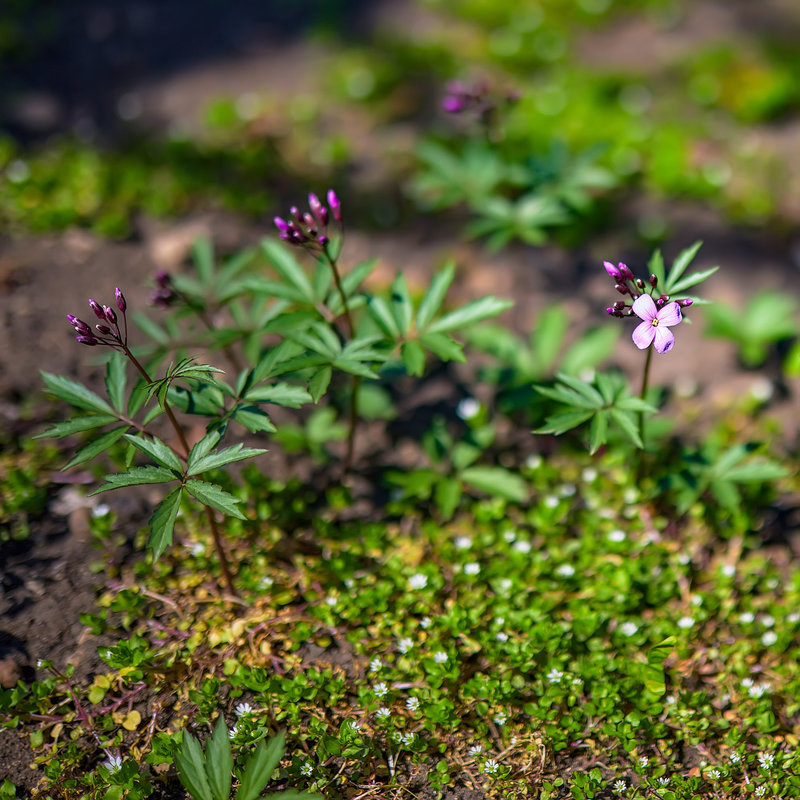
[
  {"x": 473, "y": 568},
  {"x": 620, "y": 786},
  {"x": 425, "y": 622},
  {"x": 793, "y": 617},
  {"x": 746, "y": 617},
  {"x": 499, "y": 620},
  {"x": 644, "y": 761},
  {"x": 555, "y": 675},
  {"x": 197, "y": 548},
  {"x": 696, "y": 600},
  {"x": 735, "y": 758},
  {"x": 375, "y": 665},
  {"x": 331, "y": 601},
  {"x": 568, "y": 490},
  {"x": 766, "y": 760},
  {"x": 463, "y": 543},
  {"x": 501, "y": 636},
  {"x": 408, "y": 739},
  {"x": 762, "y": 389},
  {"x": 747, "y": 682},
  {"x": 589, "y": 475},
  {"x": 468, "y": 408},
  {"x": 501, "y": 718},
  {"x": 242, "y": 709},
  {"x": 39, "y": 663},
  {"x": 412, "y": 704},
  {"x": 714, "y": 774},
  {"x": 685, "y": 622},
  {"x": 505, "y": 584},
  {"x": 100, "y": 510},
  {"x": 534, "y": 461},
  {"x": 576, "y": 681},
  {"x": 758, "y": 690},
  {"x": 670, "y": 699},
  {"x": 566, "y": 571},
  {"x": 761, "y": 791},
  {"x": 628, "y": 628},
  {"x": 266, "y": 582},
  {"x": 107, "y": 654},
  {"x": 509, "y": 535},
  {"x": 630, "y": 495},
  {"x": 233, "y": 731},
  {"x": 551, "y": 501},
  {"x": 769, "y": 638},
  {"x": 522, "y": 546},
  {"x": 513, "y": 741},
  {"x": 490, "y": 766},
  {"x": 440, "y": 657},
  {"x": 18, "y": 171},
  {"x": 404, "y": 645},
  {"x": 617, "y": 536},
  {"x": 380, "y": 689},
  {"x": 383, "y": 713},
  {"x": 728, "y": 570},
  {"x": 475, "y": 750},
  {"x": 684, "y": 558},
  {"x": 307, "y": 770},
  {"x": 397, "y": 736},
  {"x": 113, "y": 763},
  {"x": 767, "y": 621},
  {"x": 418, "y": 581}
]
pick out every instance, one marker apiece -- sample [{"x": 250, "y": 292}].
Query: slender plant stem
[
  {"x": 643, "y": 392},
  {"x": 212, "y": 521},
  {"x": 356, "y": 382}
]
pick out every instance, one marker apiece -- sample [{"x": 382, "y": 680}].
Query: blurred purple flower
[{"x": 656, "y": 325}]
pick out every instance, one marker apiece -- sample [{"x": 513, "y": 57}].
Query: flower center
[{"x": 655, "y": 322}]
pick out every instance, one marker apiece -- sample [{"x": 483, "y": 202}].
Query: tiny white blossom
[
  {"x": 644, "y": 761},
  {"x": 735, "y": 758},
  {"x": 766, "y": 760},
  {"x": 108, "y": 654},
  {"x": 307, "y": 770},
  {"x": 568, "y": 490},
  {"x": 620, "y": 786},
  {"x": 767, "y": 621},
  {"x": 425, "y": 622},
  {"x": 670, "y": 699},
  {"x": 684, "y": 558},
  {"x": 408, "y": 739},
  {"x": 380, "y": 689},
  {"x": 714, "y": 774},
  {"x": 501, "y": 718},
  {"x": 761, "y": 791},
  {"x": 197, "y": 548},
  {"x": 39, "y": 663},
  {"x": 746, "y": 617},
  {"x": 397, "y": 736},
  {"x": 505, "y": 584},
  {"x": 617, "y": 536},
  {"x": 266, "y": 582},
  {"x": 463, "y": 543},
  {"x": 100, "y": 510},
  {"x": 475, "y": 750},
  {"x": 440, "y": 657},
  {"x": 490, "y": 766},
  {"x": 769, "y": 638},
  {"x": 233, "y": 731},
  {"x": 513, "y": 741},
  {"x": 664, "y": 780},
  {"x": 509, "y": 535},
  {"x": 331, "y": 600},
  {"x": 418, "y": 581},
  {"x": 555, "y": 675},
  {"x": 242, "y": 709},
  {"x": 468, "y": 408},
  {"x": 566, "y": 570},
  {"x": 793, "y": 617},
  {"x": 628, "y": 628},
  {"x": 631, "y": 495},
  {"x": 375, "y": 664},
  {"x": 500, "y": 620},
  {"x": 685, "y": 622},
  {"x": 534, "y": 461},
  {"x": 551, "y": 501},
  {"x": 588, "y": 475},
  {"x": 501, "y": 636},
  {"x": 696, "y": 600},
  {"x": 522, "y": 546},
  {"x": 412, "y": 704},
  {"x": 113, "y": 763},
  {"x": 747, "y": 682},
  {"x": 404, "y": 645},
  {"x": 383, "y": 713},
  {"x": 728, "y": 570},
  {"x": 473, "y": 568}
]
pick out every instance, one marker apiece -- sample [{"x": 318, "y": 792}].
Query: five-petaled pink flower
[{"x": 656, "y": 325}]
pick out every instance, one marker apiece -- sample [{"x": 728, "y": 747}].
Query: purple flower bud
[
  {"x": 612, "y": 270},
  {"x": 612, "y": 311},
  {"x": 653, "y": 281},
  {"x": 621, "y": 288},
  {"x": 619, "y": 305},
  {"x": 81, "y": 327},
  {"x": 163, "y": 279},
  {"x": 72, "y": 319},
  {"x": 104, "y": 329},
  {"x": 335, "y": 206},
  {"x": 324, "y": 240},
  {"x": 97, "y": 308},
  {"x": 120, "y": 298},
  {"x": 685, "y": 303},
  {"x": 625, "y": 272},
  {"x": 281, "y": 224},
  {"x": 89, "y": 340},
  {"x": 318, "y": 210},
  {"x": 640, "y": 283},
  {"x": 295, "y": 212},
  {"x": 109, "y": 314},
  {"x": 452, "y": 104}
]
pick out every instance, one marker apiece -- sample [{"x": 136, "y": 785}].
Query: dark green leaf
[
  {"x": 401, "y": 306},
  {"x": 469, "y": 314},
  {"x": 137, "y": 476},
  {"x": 497, "y": 482},
  {"x": 434, "y": 296},
  {"x": 319, "y": 383},
  {"x": 115, "y": 381},
  {"x": 96, "y": 446},
  {"x": 220, "y": 459},
  {"x": 281, "y": 394},
  {"x": 382, "y": 316},
  {"x": 254, "y": 419},
  {"x": 260, "y": 767},
  {"x": 191, "y": 768},
  {"x": 447, "y": 496},
  {"x": 413, "y": 355},
  {"x": 287, "y": 266},
  {"x": 163, "y": 521},
  {"x": 219, "y": 762},
  {"x": 76, "y": 425},
  {"x": 157, "y": 450},
  {"x": 443, "y": 346},
  {"x": 75, "y": 393},
  {"x": 210, "y": 494}
]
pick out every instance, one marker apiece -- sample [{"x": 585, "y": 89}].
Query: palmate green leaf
[
  {"x": 434, "y": 296},
  {"x": 76, "y": 425},
  {"x": 443, "y": 346},
  {"x": 680, "y": 287},
  {"x": 563, "y": 422},
  {"x": 401, "y": 307},
  {"x": 137, "y": 476},
  {"x": 628, "y": 424},
  {"x": 680, "y": 264},
  {"x": 382, "y": 316},
  {"x": 259, "y": 768},
  {"x": 254, "y": 419},
  {"x": 75, "y": 393},
  {"x": 227, "y": 456},
  {"x": 355, "y": 368},
  {"x": 726, "y": 494},
  {"x": 270, "y": 365},
  {"x": 287, "y": 266},
  {"x": 115, "y": 381},
  {"x": 319, "y": 383},
  {"x": 353, "y": 280},
  {"x": 219, "y": 762},
  {"x": 568, "y": 397},
  {"x": 598, "y": 431},
  {"x": 209, "y": 494},
  {"x": 759, "y": 470},
  {"x": 469, "y": 314},
  {"x": 137, "y": 398},
  {"x": 413, "y": 355},
  {"x": 157, "y": 450},
  {"x": 281, "y": 394},
  {"x": 96, "y": 446},
  {"x": 191, "y": 768},
  {"x": 162, "y": 523},
  {"x": 497, "y": 482},
  {"x": 151, "y": 329},
  {"x": 203, "y": 257}
]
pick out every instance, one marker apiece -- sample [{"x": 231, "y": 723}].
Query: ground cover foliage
[{"x": 554, "y": 583}]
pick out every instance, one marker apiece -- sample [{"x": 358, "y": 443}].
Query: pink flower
[{"x": 656, "y": 325}]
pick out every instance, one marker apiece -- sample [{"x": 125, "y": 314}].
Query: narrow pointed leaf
[
  {"x": 227, "y": 456},
  {"x": 443, "y": 346},
  {"x": 157, "y": 450},
  {"x": 625, "y": 422},
  {"x": 162, "y": 523},
  {"x": 401, "y": 306},
  {"x": 254, "y": 419},
  {"x": 447, "y": 496},
  {"x": 319, "y": 383},
  {"x": 598, "y": 432},
  {"x": 547, "y": 337},
  {"x": 219, "y": 762},
  {"x": 75, "y": 393},
  {"x": 267, "y": 366},
  {"x": 204, "y": 447},
  {"x": 96, "y": 446},
  {"x": 281, "y": 394},
  {"x": 432, "y": 301},
  {"x": 260, "y": 767},
  {"x": 191, "y": 769},
  {"x": 382, "y": 316},
  {"x": 115, "y": 381},
  {"x": 287, "y": 266},
  {"x": 680, "y": 264},
  {"x": 692, "y": 280},
  {"x": 137, "y": 476},
  {"x": 413, "y": 355},
  {"x": 210, "y": 494},
  {"x": 497, "y": 482},
  {"x": 76, "y": 425},
  {"x": 469, "y": 314},
  {"x": 561, "y": 423}
]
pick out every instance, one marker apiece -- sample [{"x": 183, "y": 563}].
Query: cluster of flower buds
[
  {"x": 628, "y": 285},
  {"x": 164, "y": 295},
  {"x": 107, "y": 331},
  {"x": 309, "y": 229},
  {"x": 479, "y": 98}
]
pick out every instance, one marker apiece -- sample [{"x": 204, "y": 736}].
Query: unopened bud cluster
[
  {"x": 309, "y": 229},
  {"x": 164, "y": 295},
  {"x": 107, "y": 331},
  {"x": 629, "y": 286},
  {"x": 479, "y": 98}
]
